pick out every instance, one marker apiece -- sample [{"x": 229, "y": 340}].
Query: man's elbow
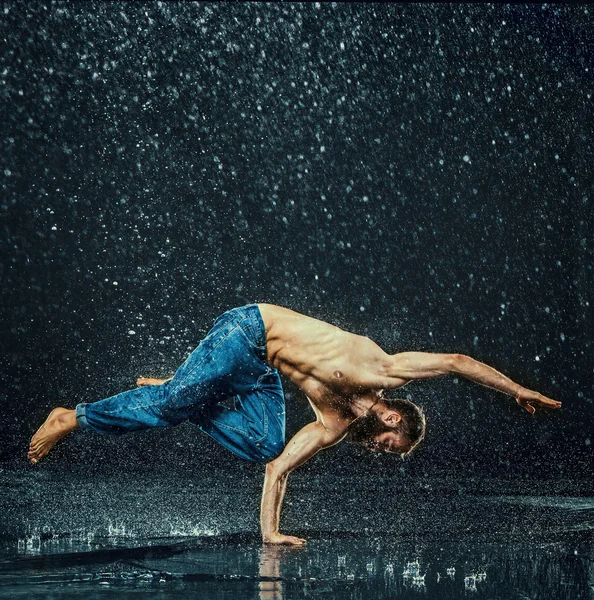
[
  {"x": 276, "y": 471},
  {"x": 455, "y": 362}
]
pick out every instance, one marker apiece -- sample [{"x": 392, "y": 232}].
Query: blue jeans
[{"x": 225, "y": 387}]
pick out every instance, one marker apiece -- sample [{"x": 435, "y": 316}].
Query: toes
[
  {"x": 42, "y": 450},
  {"x": 36, "y": 452}
]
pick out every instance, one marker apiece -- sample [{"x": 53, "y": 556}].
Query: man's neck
[{"x": 362, "y": 405}]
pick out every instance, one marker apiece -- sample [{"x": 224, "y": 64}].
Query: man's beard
[{"x": 363, "y": 429}]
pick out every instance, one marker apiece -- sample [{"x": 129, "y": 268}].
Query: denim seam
[
  {"x": 219, "y": 424},
  {"x": 264, "y": 420},
  {"x": 245, "y": 335},
  {"x": 128, "y": 408},
  {"x": 261, "y": 333},
  {"x": 259, "y": 328},
  {"x": 265, "y": 417},
  {"x": 257, "y": 389},
  {"x": 81, "y": 416},
  {"x": 188, "y": 375},
  {"x": 241, "y": 431},
  {"x": 255, "y": 324}
]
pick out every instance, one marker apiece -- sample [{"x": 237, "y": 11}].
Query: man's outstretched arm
[
  {"x": 423, "y": 365},
  {"x": 306, "y": 442}
]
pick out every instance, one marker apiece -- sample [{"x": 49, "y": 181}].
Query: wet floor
[{"x": 66, "y": 536}]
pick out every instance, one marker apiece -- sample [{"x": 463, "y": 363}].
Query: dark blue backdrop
[{"x": 417, "y": 173}]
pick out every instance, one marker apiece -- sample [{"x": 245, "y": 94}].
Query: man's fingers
[
  {"x": 547, "y": 402},
  {"x": 288, "y": 540},
  {"x": 295, "y": 540},
  {"x": 526, "y": 399}
]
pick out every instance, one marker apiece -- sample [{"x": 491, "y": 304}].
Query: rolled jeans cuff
[{"x": 81, "y": 417}]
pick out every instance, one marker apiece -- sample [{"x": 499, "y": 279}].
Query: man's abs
[{"x": 304, "y": 348}]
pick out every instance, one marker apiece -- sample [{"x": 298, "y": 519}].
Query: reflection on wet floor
[
  {"x": 270, "y": 585},
  {"x": 350, "y": 566}
]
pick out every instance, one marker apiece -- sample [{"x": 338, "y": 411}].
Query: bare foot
[
  {"x": 59, "y": 422},
  {"x": 149, "y": 381}
]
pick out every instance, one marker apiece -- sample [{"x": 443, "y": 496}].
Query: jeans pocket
[
  {"x": 247, "y": 328},
  {"x": 248, "y": 419}
]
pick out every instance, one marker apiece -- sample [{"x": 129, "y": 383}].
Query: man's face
[{"x": 388, "y": 441}]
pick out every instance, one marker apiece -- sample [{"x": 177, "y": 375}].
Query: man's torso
[{"x": 330, "y": 365}]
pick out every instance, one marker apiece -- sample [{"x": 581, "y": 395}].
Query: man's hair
[{"x": 412, "y": 424}]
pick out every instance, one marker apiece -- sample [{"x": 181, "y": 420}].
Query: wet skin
[{"x": 60, "y": 422}]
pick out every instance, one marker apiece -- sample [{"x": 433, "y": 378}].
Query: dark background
[{"x": 421, "y": 174}]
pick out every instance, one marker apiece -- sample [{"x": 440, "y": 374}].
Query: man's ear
[{"x": 392, "y": 418}]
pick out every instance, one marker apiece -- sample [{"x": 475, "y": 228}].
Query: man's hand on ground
[
  {"x": 290, "y": 540},
  {"x": 526, "y": 398}
]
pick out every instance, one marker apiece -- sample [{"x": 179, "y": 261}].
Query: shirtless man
[{"x": 229, "y": 386}]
